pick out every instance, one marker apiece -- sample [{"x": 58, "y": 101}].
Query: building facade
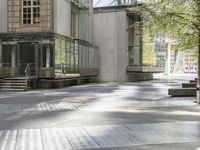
[
  {"x": 47, "y": 39},
  {"x": 128, "y": 52},
  {"x": 182, "y": 62}
]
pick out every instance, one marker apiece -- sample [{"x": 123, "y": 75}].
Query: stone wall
[
  {"x": 62, "y": 17},
  {"x": 15, "y": 17},
  {"x": 109, "y": 33},
  {"x": 3, "y": 16}
]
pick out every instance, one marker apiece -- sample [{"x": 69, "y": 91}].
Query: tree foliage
[{"x": 179, "y": 19}]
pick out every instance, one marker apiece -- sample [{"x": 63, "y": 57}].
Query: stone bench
[
  {"x": 182, "y": 92},
  {"x": 189, "y": 85},
  {"x": 193, "y": 81}
]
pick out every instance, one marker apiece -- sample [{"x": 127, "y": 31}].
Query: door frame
[{"x": 36, "y": 48}]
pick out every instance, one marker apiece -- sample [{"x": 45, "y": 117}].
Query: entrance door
[{"x": 26, "y": 55}]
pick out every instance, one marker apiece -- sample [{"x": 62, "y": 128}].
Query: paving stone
[
  {"x": 106, "y": 141},
  {"x": 29, "y": 134},
  {"x": 8, "y": 135},
  {"x": 82, "y": 142},
  {"x": 56, "y": 143},
  {"x": 7, "y": 145},
  {"x": 75, "y": 132},
  {"x": 27, "y": 144},
  {"x": 10, "y": 108},
  {"x": 53, "y": 133},
  {"x": 97, "y": 130},
  {"x": 28, "y": 107}
]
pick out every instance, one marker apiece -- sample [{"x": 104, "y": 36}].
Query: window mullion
[
  {"x": 31, "y": 14},
  {"x": 31, "y": 11}
]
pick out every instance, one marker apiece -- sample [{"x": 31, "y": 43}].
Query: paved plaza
[{"x": 104, "y": 116}]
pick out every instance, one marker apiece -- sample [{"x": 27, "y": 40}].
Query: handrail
[
  {"x": 27, "y": 71},
  {"x": 27, "y": 74}
]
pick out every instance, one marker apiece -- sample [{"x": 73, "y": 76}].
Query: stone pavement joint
[{"x": 97, "y": 137}]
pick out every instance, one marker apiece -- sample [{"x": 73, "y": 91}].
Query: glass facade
[
  {"x": 160, "y": 48},
  {"x": 75, "y": 58},
  {"x": 80, "y": 19},
  {"x": 19, "y": 50},
  {"x": 50, "y": 56},
  {"x": 145, "y": 49},
  {"x": 134, "y": 40}
]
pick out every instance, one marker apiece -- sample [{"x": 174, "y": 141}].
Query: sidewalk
[{"x": 108, "y": 116}]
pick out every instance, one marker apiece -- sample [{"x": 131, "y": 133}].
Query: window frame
[{"x": 31, "y": 7}]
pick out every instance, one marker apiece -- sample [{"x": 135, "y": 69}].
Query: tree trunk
[
  {"x": 198, "y": 76},
  {"x": 198, "y": 28}
]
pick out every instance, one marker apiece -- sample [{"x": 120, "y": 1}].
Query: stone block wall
[{"x": 15, "y": 17}]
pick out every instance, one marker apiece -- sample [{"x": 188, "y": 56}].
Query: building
[
  {"x": 190, "y": 64},
  {"x": 47, "y": 39},
  {"x": 128, "y": 52},
  {"x": 182, "y": 62}
]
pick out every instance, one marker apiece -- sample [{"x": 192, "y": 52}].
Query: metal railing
[
  {"x": 30, "y": 70},
  {"x": 27, "y": 74},
  {"x": 5, "y": 70}
]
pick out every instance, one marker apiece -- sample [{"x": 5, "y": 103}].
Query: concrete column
[
  {"x": 48, "y": 59},
  {"x": 1, "y": 52}
]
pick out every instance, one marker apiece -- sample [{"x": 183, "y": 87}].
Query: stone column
[
  {"x": 48, "y": 55},
  {"x": 1, "y": 52},
  {"x": 13, "y": 59}
]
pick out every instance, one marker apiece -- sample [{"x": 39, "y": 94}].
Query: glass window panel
[
  {"x": 57, "y": 56},
  {"x": 32, "y": 9},
  {"x": 68, "y": 53}
]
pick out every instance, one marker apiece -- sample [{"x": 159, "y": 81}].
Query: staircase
[
  {"x": 13, "y": 84},
  {"x": 21, "y": 80}
]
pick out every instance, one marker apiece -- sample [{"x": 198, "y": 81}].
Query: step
[
  {"x": 11, "y": 90},
  {"x": 182, "y": 92},
  {"x": 189, "y": 85},
  {"x": 12, "y": 87},
  {"x": 14, "y": 78},
  {"x": 13, "y": 83}
]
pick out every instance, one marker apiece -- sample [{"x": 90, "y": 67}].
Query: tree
[{"x": 179, "y": 19}]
